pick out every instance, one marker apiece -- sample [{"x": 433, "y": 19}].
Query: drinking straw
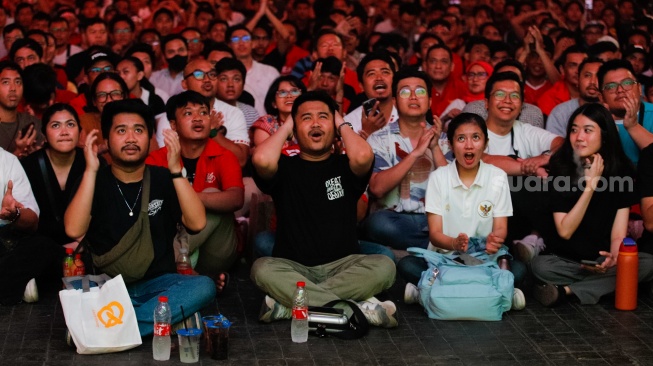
[{"x": 192, "y": 354}]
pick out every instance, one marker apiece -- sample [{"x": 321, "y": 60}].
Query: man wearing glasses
[
  {"x": 194, "y": 42},
  {"x": 520, "y": 149},
  {"x": 406, "y": 152},
  {"x": 259, "y": 76},
  {"x": 622, "y": 95}
]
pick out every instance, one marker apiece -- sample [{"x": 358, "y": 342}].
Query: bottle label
[
  {"x": 161, "y": 329},
  {"x": 300, "y": 313}
]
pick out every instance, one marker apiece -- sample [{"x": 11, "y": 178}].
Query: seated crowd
[{"x": 131, "y": 134}]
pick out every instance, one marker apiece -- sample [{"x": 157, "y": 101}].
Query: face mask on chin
[{"x": 177, "y": 63}]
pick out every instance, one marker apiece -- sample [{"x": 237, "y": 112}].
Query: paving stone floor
[{"x": 33, "y": 334}]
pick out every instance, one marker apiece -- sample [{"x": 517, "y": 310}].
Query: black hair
[
  {"x": 600, "y": 47},
  {"x": 589, "y": 60},
  {"x": 475, "y": 40},
  {"x": 640, "y": 32},
  {"x": 562, "y": 60},
  {"x": 410, "y": 72},
  {"x": 171, "y": 37},
  {"x": 616, "y": 162},
  {"x": 229, "y": 64},
  {"x": 391, "y": 40},
  {"x": 439, "y": 21},
  {"x": 147, "y": 31},
  {"x": 503, "y": 76},
  {"x": 39, "y": 15},
  {"x": 417, "y": 46},
  {"x": 440, "y": 46},
  {"x": 234, "y": 28},
  {"x": 56, "y": 19},
  {"x": 311, "y": 96},
  {"x": 10, "y": 28},
  {"x": 22, "y": 6},
  {"x": 90, "y": 22},
  {"x": 129, "y": 106},
  {"x": 511, "y": 62},
  {"x": 322, "y": 33},
  {"x": 221, "y": 47},
  {"x": 90, "y": 104},
  {"x": 121, "y": 18},
  {"x": 498, "y": 46},
  {"x": 10, "y": 65},
  {"x": 183, "y": 99},
  {"x": 611, "y": 66},
  {"x": 463, "y": 119},
  {"x": 272, "y": 92},
  {"x": 486, "y": 8},
  {"x": 163, "y": 11},
  {"x": 373, "y": 56},
  {"x": 39, "y": 83},
  {"x": 144, "y": 48},
  {"x": 58, "y": 107},
  {"x": 38, "y": 32},
  {"x": 574, "y": 2},
  {"x": 191, "y": 29},
  {"x": 25, "y": 43},
  {"x": 488, "y": 24},
  {"x": 330, "y": 64}
]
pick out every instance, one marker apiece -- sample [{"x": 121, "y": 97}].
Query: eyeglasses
[
  {"x": 101, "y": 69},
  {"x": 330, "y": 45},
  {"x": 59, "y": 30},
  {"x": 114, "y": 95},
  {"x": 480, "y": 75},
  {"x": 199, "y": 75},
  {"x": 193, "y": 40},
  {"x": 284, "y": 93},
  {"x": 241, "y": 39},
  {"x": 501, "y": 95},
  {"x": 122, "y": 31},
  {"x": 419, "y": 92},
  {"x": 627, "y": 84}
]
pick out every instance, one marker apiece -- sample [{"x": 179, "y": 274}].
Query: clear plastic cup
[{"x": 189, "y": 345}]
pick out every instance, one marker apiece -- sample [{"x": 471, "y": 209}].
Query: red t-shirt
[
  {"x": 558, "y": 93},
  {"x": 216, "y": 167},
  {"x": 454, "y": 89},
  {"x": 532, "y": 95}
]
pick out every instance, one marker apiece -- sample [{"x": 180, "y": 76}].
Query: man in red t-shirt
[
  {"x": 215, "y": 175},
  {"x": 438, "y": 65},
  {"x": 567, "y": 87}
]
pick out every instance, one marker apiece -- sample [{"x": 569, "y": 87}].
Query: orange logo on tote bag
[{"x": 111, "y": 315}]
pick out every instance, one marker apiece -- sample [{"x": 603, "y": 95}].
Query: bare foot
[{"x": 221, "y": 281}]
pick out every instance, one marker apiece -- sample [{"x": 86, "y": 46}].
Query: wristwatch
[{"x": 176, "y": 175}]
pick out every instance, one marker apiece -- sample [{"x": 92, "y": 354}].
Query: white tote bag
[{"x": 100, "y": 319}]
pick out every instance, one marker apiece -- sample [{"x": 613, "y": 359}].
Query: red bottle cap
[
  {"x": 69, "y": 250},
  {"x": 163, "y": 298},
  {"x": 301, "y": 284}
]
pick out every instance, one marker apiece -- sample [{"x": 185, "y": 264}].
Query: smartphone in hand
[{"x": 368, "y": 105}]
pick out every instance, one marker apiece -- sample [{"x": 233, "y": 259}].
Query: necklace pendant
[{"x": 131, "y": 213}]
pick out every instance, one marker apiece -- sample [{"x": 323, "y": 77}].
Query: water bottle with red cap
[
  {"x": 299, "y": 325},
  {"x": 627, "y": 276}
]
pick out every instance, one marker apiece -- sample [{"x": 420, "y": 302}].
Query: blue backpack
[{"x": 450, "y": 290}]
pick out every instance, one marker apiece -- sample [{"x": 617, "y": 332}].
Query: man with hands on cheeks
[
  {"x": 315, "y": 195},
  {"x": 406, "y": 152},
  {"x": 129, "y": 222},
  {"x": 621, "y": 94}
]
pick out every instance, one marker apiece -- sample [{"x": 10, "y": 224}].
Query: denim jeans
[
  {"x": 397, "y": 230},
  {"x": 191, "y": 292},
  {"x": 264, "y": 243},
  {"x": 410, "y": 268}
]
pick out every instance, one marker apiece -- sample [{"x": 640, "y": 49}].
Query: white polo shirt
[
  {"x": 11, "y": 170},
  {"x": 468, "y": 210},
  {"x": 527, "y": 139},
  {"x": 355, "y": 118}
]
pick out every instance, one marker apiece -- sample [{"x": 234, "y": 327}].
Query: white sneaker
[
  {"x": 411, "y": 294},
  {"x": 380, "y": 314},
  {"x": 31, "y": 292},
  {"x": 518, "y": 300}
]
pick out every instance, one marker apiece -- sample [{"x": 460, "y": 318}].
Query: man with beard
[
  {"x": 375, "y": 72},
  {"x": 215, "y": 175},
  {"x": 175, "y": 52},
  {"x": 228, "y": 126},
  {"x": 622, "y": 95},
  {"x": 588, "y": 87},
  {"x": 128, "y": 214},
  {"x": 20, "y": 133},
  {"x": 318, "y": 186}
]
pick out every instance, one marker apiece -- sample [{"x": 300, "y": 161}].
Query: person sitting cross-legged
[{"x": 315, "y": 195}]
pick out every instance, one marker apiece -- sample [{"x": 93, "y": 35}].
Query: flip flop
[{"x": 227, "y": 277}]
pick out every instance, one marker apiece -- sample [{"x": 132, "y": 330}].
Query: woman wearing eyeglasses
[
  {"x": 475, "y": 78},
  {"x": 278, "y": 103}
]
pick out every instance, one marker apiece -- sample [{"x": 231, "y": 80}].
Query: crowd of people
[{"x": 131, "y": 130}]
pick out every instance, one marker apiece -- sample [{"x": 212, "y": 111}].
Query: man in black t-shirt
[
  {"x": 107, "y": 210},
  {"x": 315, "y": 195}
]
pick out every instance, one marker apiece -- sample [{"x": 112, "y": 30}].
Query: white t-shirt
[
  {"x": 468, "y": 210},
  {"x": 529, "y": 141},
  {"x": 162, "y": 79},
  {"x": 354, "y": 117},
  {"x": 10, "y": 169},
  {"x": 62, "y": 58},
  {"x": 234, "y": 121},
  {"x": 257, "y": 82}
]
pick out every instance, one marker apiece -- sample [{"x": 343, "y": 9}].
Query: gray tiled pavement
[{"x": 33, "y": 334}]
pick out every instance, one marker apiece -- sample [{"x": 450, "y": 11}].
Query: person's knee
[
  {"x": 203, "y": 290},
  {"x": 260, "y": 270},
  {"x": 383, "y": 269}
]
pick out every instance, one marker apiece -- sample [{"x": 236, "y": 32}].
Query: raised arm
[
  {"x": 193, "y": 215},
  {"x": 637, "y": 132},
  {"x": 78, "y": 214},
  {"x": 267, "y": 154},
  {"x": 359, "y": 152}
]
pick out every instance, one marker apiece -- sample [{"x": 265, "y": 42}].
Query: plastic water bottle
[
  {"x": 627, "y": 274},
  {"x": 68, "y": 263},
  {"x": 161, "y": 341},
  {"x": 299, "y": 325},
  {"x": 183, "y": 262}
]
